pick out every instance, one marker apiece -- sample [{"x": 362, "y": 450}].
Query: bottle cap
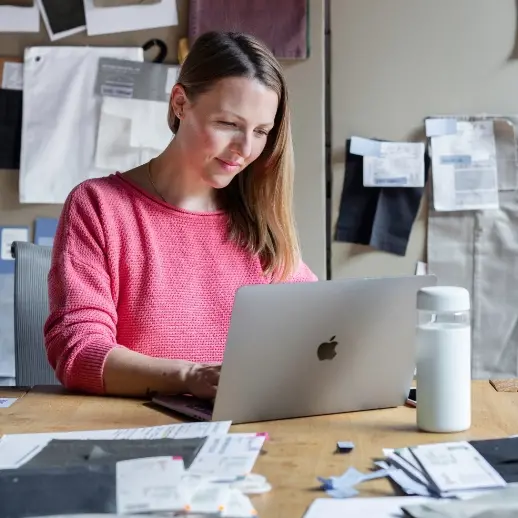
[{"x": 443, "y": 298}]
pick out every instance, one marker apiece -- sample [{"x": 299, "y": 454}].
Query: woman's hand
[{"x": 202, "y": 380}]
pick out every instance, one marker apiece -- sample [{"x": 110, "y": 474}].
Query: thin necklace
[{"x": 152, "y": 182}]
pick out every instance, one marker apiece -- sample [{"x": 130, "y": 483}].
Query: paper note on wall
[
  {"x": 109, "y": 20},
  {"x": 12, "y": 75},
  {"x": 399, "y": 164},
  {"x": 465, "y": 168},
  {"x": 19, "y": 19},
  {"x": 8, "y": 235}
]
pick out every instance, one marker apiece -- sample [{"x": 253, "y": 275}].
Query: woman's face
[{"x": 226, "y": 128}]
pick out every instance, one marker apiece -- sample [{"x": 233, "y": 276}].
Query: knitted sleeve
[
  {"x": 81, "y": 328},
  {"x": 303, "y": 274}
]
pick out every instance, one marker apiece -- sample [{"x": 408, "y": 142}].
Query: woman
[{"x": 146, "y": 263}]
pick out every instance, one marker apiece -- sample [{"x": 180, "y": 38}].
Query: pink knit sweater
[{"x": 129, "y": 270}]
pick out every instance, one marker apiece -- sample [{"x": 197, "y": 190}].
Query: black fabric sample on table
[
  {"x": 381, "y": 217},
  {"x": 502, "y": 454},
  {"x": 48, "y": 491},
  {"x": 69, "y": 453},
  {"x": 79, "y": 476},
  {"x": 64, "y": 15},
  {"x": 11, "y": 102}
]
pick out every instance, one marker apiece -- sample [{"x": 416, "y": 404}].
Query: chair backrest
[{"x": 31, "y": 309}]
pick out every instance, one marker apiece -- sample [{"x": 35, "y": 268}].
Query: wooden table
[{"x": 298, "y": 451}]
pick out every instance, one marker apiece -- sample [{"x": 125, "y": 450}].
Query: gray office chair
[{"x": 31, "y": 308}]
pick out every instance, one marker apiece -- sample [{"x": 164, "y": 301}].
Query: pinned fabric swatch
[
  {"x": 131, "y": 132},
  {"x": 11, "y": 102},
  {"x": 282, "y": 26},
  {"x": 61, "y": 18},
  {"x": 60, "y": 119},
  {"x": 381, "y": 217}
]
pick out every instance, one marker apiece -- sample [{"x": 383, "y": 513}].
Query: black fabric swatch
[
  {"x": 381, "y": 217},
  {"x": 64, "y": 15},
  {"x": 11, "y": 102}
]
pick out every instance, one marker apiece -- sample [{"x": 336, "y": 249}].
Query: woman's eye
[
  {"x": 225, "y": 123},
  {"x": 262, "y": 132}
]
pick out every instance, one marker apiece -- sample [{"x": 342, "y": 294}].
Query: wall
[
  {"x": 394, "y": 63},
  {"x": 306, "y": 86}
]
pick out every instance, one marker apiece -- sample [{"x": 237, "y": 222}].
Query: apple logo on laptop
[{"x": 326, "y": 350}]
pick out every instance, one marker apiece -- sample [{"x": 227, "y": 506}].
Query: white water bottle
[{"x": 443, "y": 360}]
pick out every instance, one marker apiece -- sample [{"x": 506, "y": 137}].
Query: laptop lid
[{"x": 316, "y": 348}]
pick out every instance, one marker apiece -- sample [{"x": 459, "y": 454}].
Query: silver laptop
[{"x": 314, "y": 348}]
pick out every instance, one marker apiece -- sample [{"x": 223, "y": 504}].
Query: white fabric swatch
[{"x": 60, "y": 119}]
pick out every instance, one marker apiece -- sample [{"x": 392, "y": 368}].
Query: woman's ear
[{"x": 178, "y": 101}]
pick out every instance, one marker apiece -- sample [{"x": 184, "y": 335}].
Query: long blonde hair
[{"x": 259, "y": 200}]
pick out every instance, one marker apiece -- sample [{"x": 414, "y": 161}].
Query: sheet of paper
[
  {"x": 107, "y": 20},
  {"x": 62, "y": 19},
  {"x": 149, "y": 485},
  {"x": 7, "y": 365},
  {"x": 456, "y": 466},
  {"x": 228, "y": 455},
  {"x": 6, "y": 402},
  {"x": 130, "y": 132},
  {"x": 437, "y": 126},
  {"x": 133, "y": 80},
  {"x": 58, "y": 99},
  {"x": 399, "y": 164},
  {"x": 365, "y": 147},
  {"x": 421, "y": 268},
  {"x": 17, "y": 449},
  {"x": 19, "y": 19},
  {"x": 45, "y": 231},
  {"x": 8, "y": 235},
  {"x": 388, "y": 507},
  {"x": 12, "y": 75},
  {"x": 465, "y": 168}
]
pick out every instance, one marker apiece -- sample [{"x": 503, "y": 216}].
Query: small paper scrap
[
  {"x": 344, "y": 446},
  {"x": 343, "y": 486},
  {"x": 6, "y": 402}
]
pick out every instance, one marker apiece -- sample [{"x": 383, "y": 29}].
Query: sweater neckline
[{"x": 132, "y": 185}]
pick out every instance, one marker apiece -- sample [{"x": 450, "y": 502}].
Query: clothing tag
[
  {"x": 135, "y": 80},
  {"x": 456, "y": 466},
  {"x": 436, "y": 127},
  {"x": 399, "y": 164},
  {"x": 228, "y": 455},
  {"x": 8, "y": 235},
  {"x": 365, "y": 147},
  {"x": 149, "y": 485},
  {"x": 6, "y": 402},
  {"x": 465, "y": 168}
]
